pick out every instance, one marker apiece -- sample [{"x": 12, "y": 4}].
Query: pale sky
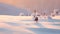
[{"x": 33, "y": 4}]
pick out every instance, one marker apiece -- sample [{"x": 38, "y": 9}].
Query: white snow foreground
[
  {"x": 20, "y": 25},
  {"x": 15, "y": 24}
]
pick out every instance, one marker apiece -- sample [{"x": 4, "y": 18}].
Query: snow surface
[{"x": 26, "y": 25}]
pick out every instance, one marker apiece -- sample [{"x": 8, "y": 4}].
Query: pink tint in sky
[{"x": 33, "y": 4}]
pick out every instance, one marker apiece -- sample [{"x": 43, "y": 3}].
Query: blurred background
[{"x": 15, "y": 7}]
